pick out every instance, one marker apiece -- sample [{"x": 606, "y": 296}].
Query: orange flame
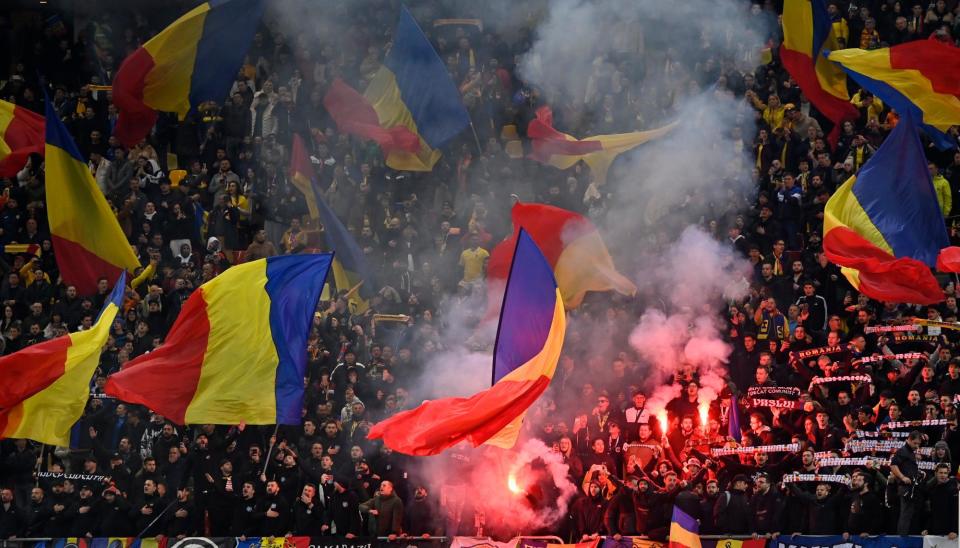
[
  {"x": 662, "y": 417},
  {"x": 704, "y": 416},
  {"x": 512, "y": 485}
]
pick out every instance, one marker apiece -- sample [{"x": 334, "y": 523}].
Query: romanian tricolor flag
[
  {"x": 46, "y": 385},
  {"x": 192, "y": 61},
  {"x": 917, "y": 78},
  {"x": 355, "y": 115},
  {"x": 87, "y": 238},
  {"x": 236, "y": 352},
  {"x": 572, "y": 246},
  {"x": 349, "y": 265},
  {"x": 884, "y": 224},
  {"x": 735, "y": 543},
  {"x": 563, "y": 151},
  {"x": 529, "y": 340},
  {"x": 21, "y": 134},
  {"x": 302, "y": 174},
  {"x": 684, "y": 530},
  {"x": 22, "y": 249},
  {"x": 413, "y": 90},
  {"x": 807, "y": 32}
]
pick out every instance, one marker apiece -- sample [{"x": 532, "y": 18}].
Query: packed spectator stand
[{"x": 833, "y": 439}]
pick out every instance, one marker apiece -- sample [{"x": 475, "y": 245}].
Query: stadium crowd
[{"x": 426, "y": 238}]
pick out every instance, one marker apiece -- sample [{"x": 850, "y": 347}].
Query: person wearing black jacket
[
  {"x": 942, "y": 497},
  {"x": 112, "y": 515},
  {"x": 247, "y": 513},
  {"x": 183, "y": 518},
  {"x": 344, "y": 506},
  {"x": 732, "y": 510},
  {"x": 223, "y": 500},
  {"x": 824, "y": 509},
  {"x": 866, "y": 507},
  {"x": 620, "y": 513},
  {"x": 84, "y": 513},
  {"x": 710, "y": 495},
  {"x": 36, "y": 513},
  {"x": 309, "y": 515},
  {"x": 10, "y": 520},
  {"x": 60, "y": 503},
  {"x": 588, "y": 511},
  {"x": 766, "y": 506},
  {"x": 146, "y": 509},
  {"x": 276, "y": 512},
  {"x": 420, "y": 515}
]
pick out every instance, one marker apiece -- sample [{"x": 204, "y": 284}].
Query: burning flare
[
  {"x": 704, "y": 408},
  {"x": 512, "y": 484},
  {"x": 662, "y": 417}
]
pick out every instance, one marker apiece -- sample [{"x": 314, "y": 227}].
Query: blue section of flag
[
  {"x": 895, "y": 189},
  {"x": 425, "y": 85},
  {"x": 528, "y": 308}
]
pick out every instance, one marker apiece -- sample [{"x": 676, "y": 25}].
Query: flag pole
[
  {"x": 40, "y": 464},
  {"x": 273, "y": 441},
  {"x": 476, "y": 138}
]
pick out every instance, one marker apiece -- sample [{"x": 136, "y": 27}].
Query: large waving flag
[
  {"x": 684, "y": 530},
  {"x": 572, "y": 246},
  {"x": 807, "y": 32},
  {"x": 916, "y": 78},
  {"x": 355, "y": 115},
  {"x": 86, "y": 235},
  {"x": 237, "y": 351},
  {"x": 192, "y": 61},
  {"x": 599, "y": 151},
  {"x": 301, "y": 174},
  {"x": 884, "y": 224},
  {"x": 529, "y": 340},
  {"x": 413, "y": 90},
  {"x": 21, "y": 134},
  {"x": 349, "y": 265},
  {"x": 46, "y": 386}
]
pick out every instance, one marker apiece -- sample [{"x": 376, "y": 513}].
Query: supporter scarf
[
  {"x": 814, "y": 352},
  {"x": 862, "y": 461},
  {"x": 914, "y": 337},
  {"x": 912, "y": 424},
  {"x": 866, "y": 434},
  {"x": 865, "y": 446},
  {"x": 890, "y": 328},
  {"x": 933, "y": 323},
  {"x": 749, "y": 450},
  {"x": 776, "y": 404},
  {"x": 901, "y": 356},
  {"x": 819, "y": 478},
  {"x": 761, "y": 391},
  {"x": 81, "y": 477},
  {"x": 841, "y": 378}
]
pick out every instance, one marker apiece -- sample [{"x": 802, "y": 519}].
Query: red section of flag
[
  {"x": 440, "y": 424},
  {"x": 136, "y": 119},
  {"x": 166, "y": 379},
  {"x": 24, "y": 136},
  {"x": 355, "y": 115},
  {"x": 547, "y": 141},
  {"x": 85, "y": 266},
  {"x": 32, "y": 369},
  {"x": 882, "y": 276}
]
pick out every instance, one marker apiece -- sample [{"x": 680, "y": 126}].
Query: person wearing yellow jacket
[
  {"x": 942, "y": 187},
  {"x": 772, "y": 112}
]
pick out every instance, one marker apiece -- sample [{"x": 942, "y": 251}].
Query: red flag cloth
[
  {"x": 21, "y": 134},
  {"x": 547, "y": 141},
  {"x": 572, "y": 246},
  {"x": 878, "y": 274},
  {"x": 949, "y": 259},
  {"x": 355, "y": 115}
]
